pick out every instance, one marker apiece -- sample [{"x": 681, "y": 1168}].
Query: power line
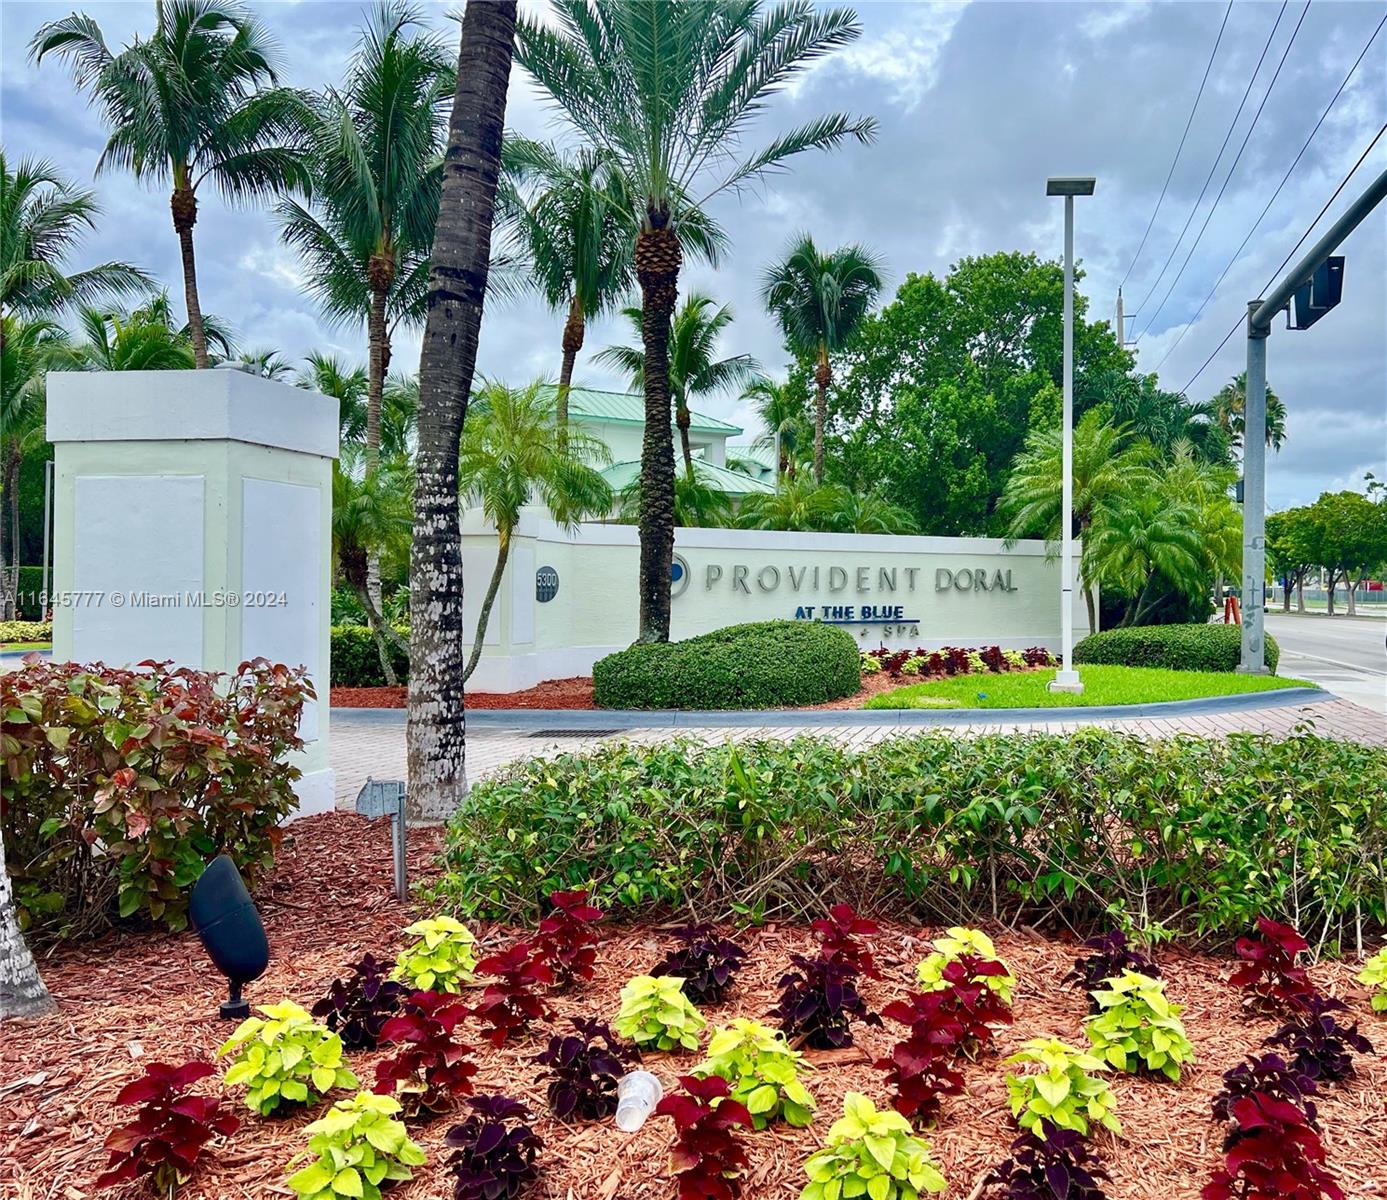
[
  {"x": 1217, "y": 159},
  {"x": 1267, "y": 208},
  {"x": 1227, "y": 179},
  {"x": 1180, "y": 148},
  {"x": 1343, "y": 183}
]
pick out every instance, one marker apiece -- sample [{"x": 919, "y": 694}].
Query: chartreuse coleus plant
[
  {"x": 357, "y": 1147},
  {"x": 1136, "y": 1029},
  {"x": 763, "y": 1071},
  {"x": 1062, "y": 1092},
  {"x": 957, "y": 943},
  {"x": 442, "y": 957},
  {"x": 1374, "y": 975},
  {"x": 285, "y": 1058},
  {"x": 655, "y": 1014},
  {"x": 873, "y": 1154}
]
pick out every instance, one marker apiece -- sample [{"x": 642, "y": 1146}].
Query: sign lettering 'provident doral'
[{"x": 741, "y": 578}]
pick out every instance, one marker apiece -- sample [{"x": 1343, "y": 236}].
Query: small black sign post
[{"x": 386, "y": 798}]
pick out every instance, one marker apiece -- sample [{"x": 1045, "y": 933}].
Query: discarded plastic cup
[{"x": 637, "y": 1093}]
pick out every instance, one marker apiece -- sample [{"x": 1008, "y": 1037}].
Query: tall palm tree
[
  {"x": 329, "y": 376},
  {"x": 22, "y": 992},
  {"x": 43, "y": 218},
  {"x": 782, "y": 412},
  {"x": 867, "y": 512},
  {"x": 693, "y": 370},
  {"x": 195, "y": 101},
  {"x": 1140, "y": 538},
  {"x": 668, "y": 89},
  {"x": 513, "y": 453},
  {"x": 819, "y": 300},
  {"x": 1229, "y": 406},
  {"x": 436, "y": 732}
]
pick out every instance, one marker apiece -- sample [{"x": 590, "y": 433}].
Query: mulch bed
[{"x": 130, "y": 998}]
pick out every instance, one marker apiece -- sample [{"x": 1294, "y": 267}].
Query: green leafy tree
[
  {"x": 1349, "y": 540},
  {"x": 1160, "y": 417},
  {"x": 669, "y": 89},
  {"x": 194, "y": 101},
  {"x": 819, "y": 299},
  {"x": 514, "y": 454},
  {"x": 1228, "y": 410},
  {"x": 1291, "y": 551},
  {"x": 693, "y": 368}
]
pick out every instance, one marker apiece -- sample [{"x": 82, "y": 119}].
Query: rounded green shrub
[
  {"x": 1174, "y": 647},
  {"x": 769, "y": 664},
  {"x": 356, "y": 659}
]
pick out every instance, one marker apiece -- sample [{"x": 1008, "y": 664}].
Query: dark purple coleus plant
[
  {"x": 1273, "y": 1077},
  {"x": 1111, "y": 956},
  {"x": 168, "y": 1133},
  {"x": 494, "y": 1150},
  {"x": 1052, "y": 1165},
  {"x": 705, "y": 961},
  {"x": 1318, "y": 1045},
  {"x": 355, "y": 1008},
  {"x": 819, "y": 1001},
  {"x": 839, "y": 933},
  {"x": 584, "y": 1067}
]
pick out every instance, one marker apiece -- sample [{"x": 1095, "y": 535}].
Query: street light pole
[{"x": 1067, "y": 678}]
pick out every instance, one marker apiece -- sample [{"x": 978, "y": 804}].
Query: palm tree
[
  {"x": 867, "y": 512},
  {"x": 267, "y": 363},
  {"x": 819, "y": 301},
  {"x": 513, "y": 454},
  {"x": 1228, "y": 411},
  {"x": 1106, "y": 464},
  {"x": 699, "y": 503},
  {"x": 195, "y": 101},
  {"x": 781, "y": 410},
  {"x": 1140, "y": 537},
  {"x": 329, "y": 376},
  {"x": 799, "y": 503},
  {"x": 22, "y": 993},
  {"x": 692, "y": 370},
  {"x": 436, "y": 732},
  {"x": 668, "y": 89},
  {"x": 144, "y": 339},
  {"x": 43, "y": 217}
]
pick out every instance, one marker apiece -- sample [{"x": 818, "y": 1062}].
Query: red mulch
[
  {"x": 553, "y": 693},
  {"x": 135, "y": 997}
]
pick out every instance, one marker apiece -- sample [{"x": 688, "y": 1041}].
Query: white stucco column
[{"x": 193, "y": 522}]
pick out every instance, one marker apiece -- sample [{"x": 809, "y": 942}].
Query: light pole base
[
  {"x": 1263, "y": 669},
  {"x": 1066, "y": 681}
]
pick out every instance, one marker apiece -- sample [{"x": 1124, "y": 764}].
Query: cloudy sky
[{"x": 977, "y": 104}]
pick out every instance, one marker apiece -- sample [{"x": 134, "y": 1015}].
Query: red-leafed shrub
[
  {"x": 119, "y": 786},
  {"x": 955, "y": 660},
  {"x": 707, "y": 1158},
  {"x": 838, "y": 934},
  {"x": 920, "y": 1076},
  {"x": 430, "y": 1068},
  {"x": 510, "y": 1004},
  {"x": 958, "y": 1018},
  {"x": 1272, "y": 1154},
  {"x": 1268, "y": 970},
  {"x": 1274, "y": 1078},
  {"x": 567, "y": 942},
  {"x": 168, "y": 1133}
]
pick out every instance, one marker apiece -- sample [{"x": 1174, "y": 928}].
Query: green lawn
[
  {"x": 25, "y": 647},
  {"x": 1102, "y": 685}
]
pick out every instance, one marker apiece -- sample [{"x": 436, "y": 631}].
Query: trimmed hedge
[
  {"x": 769, "y": 664},
  {"x": 1203, "y": 834},
  {"x": 1175, "y": 647},
  {"x": 25, "y": 631},
  {"x": 356, "y": 661}
]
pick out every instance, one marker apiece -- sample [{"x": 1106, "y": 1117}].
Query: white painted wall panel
[{"x": 521, "y": 570}]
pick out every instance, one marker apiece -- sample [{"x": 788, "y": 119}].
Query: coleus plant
[
  {"x": 920, "y": 1075},
  {"x": 819, "y": 1001},
  {"x": 962, "y": 942},
  {"x": 1062, "y": 1092},
  {"x": 763, "y": 1072},
  {"x": 441, "y": 959},
  {"x": 355, "y": 1008},
  {"x": 838, "y": 936},
  {"x": 1274, "y": 1078},
  {"x": 1136, "y": 1028},
  {"x": 873, "y": 1154},
  {"x": 707, "y": 1158},
  {"x": 510, "y": 1004},
  {"x": 285, "y": 1057},
  {"x": 1374, "y": 976},
  {"x": 1050, "y": 1164},
  {"x": 168, "y": 1133},
  {"x": 959, "y": 1018},
  {"x": 705, "y": 961},
  {"x": 567, "y": 942},
  {"x": 1268, "y": 970},
  {"x": 357, "y": 1148},
  {"x": 1318, "y": 1045},
  {"x": 655, "y": 1014},
  {"x": 494, "y": 1150},
  {"x": 1111, "y": 956},
  {"x": 430, "y": 1068},
  {"x": 1273, "y": 1154},
  {"x": 583, "y": 1069}
]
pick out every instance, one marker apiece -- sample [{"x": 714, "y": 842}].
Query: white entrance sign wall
[
  {"x": 902, "y": 592},
  {"x": 203, "y": 500}
]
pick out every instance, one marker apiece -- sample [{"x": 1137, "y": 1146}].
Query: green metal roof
[
  {"x": 734, "y": 483},
  {"x": 762, "y": 457},
  {"x": 628, "y": 408}
]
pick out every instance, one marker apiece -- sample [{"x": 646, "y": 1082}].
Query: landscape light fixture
[
  {"x": 225, "y": 918},
  {"x": 1066, "y": 678}
]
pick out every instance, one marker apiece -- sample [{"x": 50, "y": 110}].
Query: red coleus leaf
[{"x": 706, "y": 1157}]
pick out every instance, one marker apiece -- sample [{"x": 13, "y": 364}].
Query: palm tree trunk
[
  {"x": 22, "y": 993},
  {"x": 436, "y": 737},
  {"x": 683, "y": 420},
  {"x": 823, "y": 376},
  {"x": 1092, "y": 610},
  {"x": 382, "y": 273},
  {"x": 658, "y": 258},
  {"x": 484, "y": 617},
  {"x": 573, "y": 331},
  {"x": 184, "y": 206},
  {"x": 385, "y": 634},
  {"x": 9, "y": 532}
]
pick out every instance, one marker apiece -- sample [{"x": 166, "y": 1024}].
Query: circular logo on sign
[
  {"x": 678, "y": 576},
  {"x": 546, "y": 584}
]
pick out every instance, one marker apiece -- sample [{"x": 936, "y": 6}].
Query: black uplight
[{"x": 225, "y": 918}]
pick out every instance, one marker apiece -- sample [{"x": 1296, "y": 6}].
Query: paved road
[{"x": 1347, "y": 656}]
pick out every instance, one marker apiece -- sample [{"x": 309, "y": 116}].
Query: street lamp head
[{"x": 1070, "y": 185}]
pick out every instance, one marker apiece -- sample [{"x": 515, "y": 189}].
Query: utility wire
[
  {"x": 1180, "y": 148},
  {"x": 1218, "y": 158},
  {"x": 1267, "y": 208},
  {"x": 1227, "y": 179},
  {"x": 1343, "y": 183}
]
